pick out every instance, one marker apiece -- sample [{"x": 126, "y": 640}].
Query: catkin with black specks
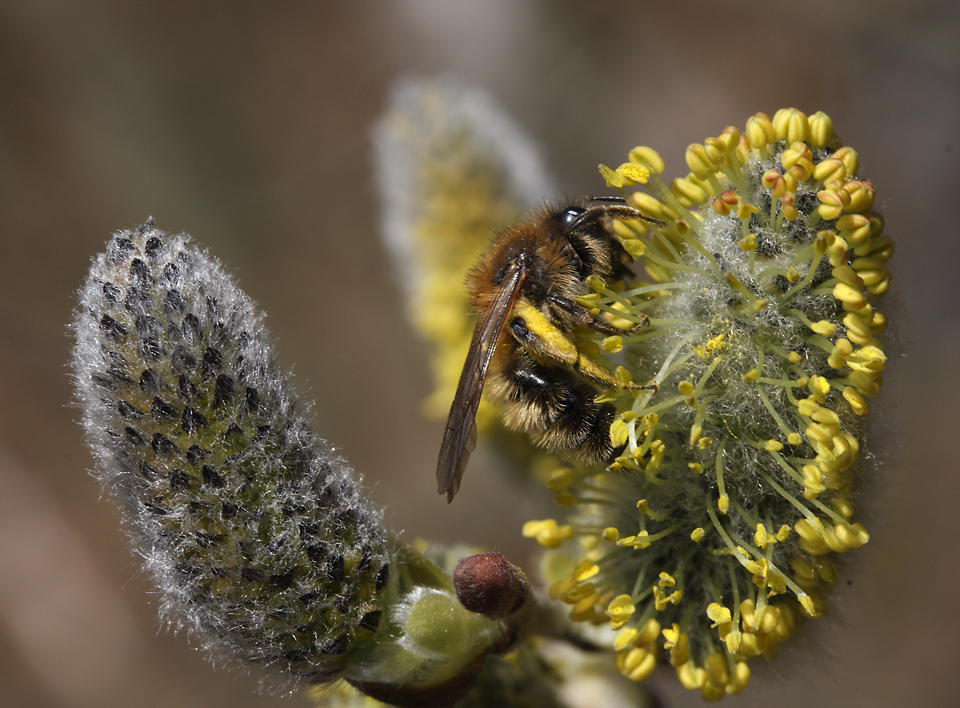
[{"x": 252, "y": 528}]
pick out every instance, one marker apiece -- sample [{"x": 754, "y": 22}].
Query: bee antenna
[
  {"x": 619, "y": 210},
  {"x": 612, "y": 198}
]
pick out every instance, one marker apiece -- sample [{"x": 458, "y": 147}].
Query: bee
[{"x": 525, "y": 292}]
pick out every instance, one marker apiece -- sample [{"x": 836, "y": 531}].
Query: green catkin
[{"x": 251, "y": 526}]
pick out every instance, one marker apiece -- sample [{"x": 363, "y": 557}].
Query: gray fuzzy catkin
[{"x": 252, "y": 528}]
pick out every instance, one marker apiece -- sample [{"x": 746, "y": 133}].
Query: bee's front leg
[{"x": 582, "y": 316}]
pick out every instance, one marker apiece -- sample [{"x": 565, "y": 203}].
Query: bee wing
[{"x": 460, "y": 435}]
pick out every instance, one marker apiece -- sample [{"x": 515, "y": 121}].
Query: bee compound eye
[{"x": 570, "y": 215}]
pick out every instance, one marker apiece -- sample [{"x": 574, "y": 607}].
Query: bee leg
[
  {"x": 556, "y": 409},
  {"x": 580, "y": 315},
  {"x": 542, "y": 338},
  {"x": 544, "y": 341}
]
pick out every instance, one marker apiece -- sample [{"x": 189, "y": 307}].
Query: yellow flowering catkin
[{"x": 715, "y": 531}]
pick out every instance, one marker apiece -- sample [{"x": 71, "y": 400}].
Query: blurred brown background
[{"x": 247, "y": 124}]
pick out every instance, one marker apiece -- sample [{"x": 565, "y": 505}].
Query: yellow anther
[
  {"x": 716, "y": 151},
  {"x": 671, "y": 635},
  {"x": 611, "y": 177},
  {"x": 643, "y": 155},
  {"x": 697, "y": 534},
  {"x": 660, "y": 600},
  {"x": 807, "y": 406},
  {"x": 761, "y": 537},
  {"x": 695, "y": 431},
  {"x": 679, "y": 647},
  {"x": 691, "y": 677},
  {"x": 720, "y": 206},
  {"x": 880, "y": 248},
  {"x": 824, "y": 327},
  {"x": 775, "y": 584},
  {"x": 794, "y": 357},
  {"x": 862, "y": 195},
  {"x": 611, "y": 533},
  {"x": 716, "y": 667},
  {"x": 748, "y": 242},
  {"x": 648, "y": 634},
  {"x": 855, "y": 400},
  {"x": 633, "y": 173},
  {"x": 787, "y": 206},
  {"x": 869, "y": 359},
  {"x": 773, "y": 446},
  {"x": 647, "y": 203},
  {"x": 794, "y": 439},
  {"x": 638, "y": 541},
  {"x": 613, "y": 344},
  {"x": 730, "y": 137},
  {"x": 718, "y": 613},
  {"x": 823, "y": 241},
  {"x": 821, "y": 434},
  {"x": 848, "y": 276},
  {"x": 855, "y": 228},
  {"x": 666, "y": 580},
  {"x": 808, "y": 531},
  {"x": 838, "y": 252},
  {"x": 620, "y": 609},
  {"x": 773, "y": 180},
  {"x": 832, "y": 169},
  {"x": 807, "y": 603},
  {"x": 878, "y": 322},
  {"x": 852, "y": 536},
  {"x": 750, "y": 645},
  {"x": 619, "y": 433},
  {"x": 812, "y": 481},
  {"x": 791, "y": 125},
  {"x": 790, "y": 181},
  {"x": 769, "y": 620},
  {"x": 578, "y": 592},
  {"x": 852, "y": 298},
  {"x": 858, "y": 329},
  {"x": 636, "y": 664},
  {"x": 826, "y": 416},
  {"x": 873, "y": 277},
  {"x": 634, "y": 247},
  {"x": 585, "y": 570},
  {"x": 695, "y": 467},
  {"x": 796, "y": 153},
  {"x": 625, "y": 638},
  {"x": 850, "y": 159},
  {"x": 760, "y": 131},
  {"x": 685, "y": 388},
  {"x": 821, "y": 129},
  {"x": 547, "y": 533},
  {"x": 723, "y": 503},
  {"x": 819, "y": 386},
  {"x": 686, "y": 188},
  {"x": 751, "y": 375},
  {"x": 585, "y": 609},
  {"x": 832, "y": 203},
  {"x": 745, "y": 210}
]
